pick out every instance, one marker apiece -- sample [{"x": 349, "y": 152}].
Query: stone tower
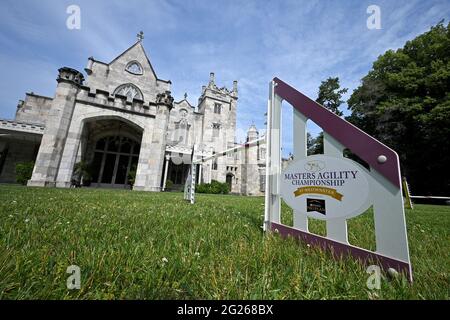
[
  {"x": 56, "y": 129},
  {"x": 250, "y": 169},
  {"x": 218, "y": 106}
]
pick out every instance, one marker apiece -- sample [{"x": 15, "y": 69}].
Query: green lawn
[{"x": 135, "y": 245}]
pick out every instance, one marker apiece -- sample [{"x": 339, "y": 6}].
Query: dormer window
[{"x": 134, "y": 67}]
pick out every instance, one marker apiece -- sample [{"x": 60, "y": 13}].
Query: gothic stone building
[{"x": 121, "y": 119}]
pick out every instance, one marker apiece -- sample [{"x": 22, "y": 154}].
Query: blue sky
[{"x": 301, "y": 42}]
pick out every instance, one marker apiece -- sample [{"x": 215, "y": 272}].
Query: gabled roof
[
  {"x": 181, "y": 101},
  {"x": 145, "y": 54}
]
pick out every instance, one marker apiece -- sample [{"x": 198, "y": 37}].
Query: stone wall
[{"x": 34, "y": 109}]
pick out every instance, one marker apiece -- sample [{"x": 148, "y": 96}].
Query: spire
[{"x": 140, "y": 36}]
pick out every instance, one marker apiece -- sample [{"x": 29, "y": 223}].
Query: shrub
[
  {"x": 132, "y": 175},
  {"x": 169, "y": 185},
  {"x": 215, "y": 187},
  {"x": 24, "y": 170},
  {"x": 82, "y": 171},
  {"x": 203, "y": 188}
]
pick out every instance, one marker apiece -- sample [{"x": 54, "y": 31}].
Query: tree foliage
[
  {"x": 404, "y": 101},
  {"x": 329, "y": 96}
]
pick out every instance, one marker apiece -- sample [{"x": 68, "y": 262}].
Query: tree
[
  {"x": 311, "y": 144},
  {"x": 330, "y": 96},
  {"x": 404, "y": 101},
  {"x": 316, "y": 145}
]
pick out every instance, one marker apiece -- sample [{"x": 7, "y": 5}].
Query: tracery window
[
  {"x": 130, "y": 91},
  {"x": 134, "y": 67}
]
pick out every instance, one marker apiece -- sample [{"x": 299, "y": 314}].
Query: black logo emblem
[{"x": 317, "y": 205}]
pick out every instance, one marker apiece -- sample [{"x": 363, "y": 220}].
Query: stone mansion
[{"x": 120, "y": 118}]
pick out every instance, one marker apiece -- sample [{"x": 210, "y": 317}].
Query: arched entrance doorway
[
  {"x": 111, "y": 149},
  {"x": 115, "y": 157}
]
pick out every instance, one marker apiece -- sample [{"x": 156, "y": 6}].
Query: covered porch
[
  {"x": 176, "y": 168},
  {"x": 19, "y": 143}
]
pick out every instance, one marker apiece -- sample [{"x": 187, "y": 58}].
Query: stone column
[
  {"x": 69, "y": 157},
  {"x": 149, "y": 171},
  {"x": 56, "y": 128}
]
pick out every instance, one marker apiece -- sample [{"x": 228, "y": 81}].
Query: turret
[
  {"x": 56, "y": 128},
  {"x": 252, "y": 133}
]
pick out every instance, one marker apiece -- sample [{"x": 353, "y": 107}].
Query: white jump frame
[{"x": 385, "y": 187}]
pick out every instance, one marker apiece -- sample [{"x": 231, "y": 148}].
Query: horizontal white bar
[{"x": 221, "y": 154}]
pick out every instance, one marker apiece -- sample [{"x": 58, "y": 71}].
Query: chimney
[
  {"x": 88, "y": 68},
  {"x": 211, "y": 78}
]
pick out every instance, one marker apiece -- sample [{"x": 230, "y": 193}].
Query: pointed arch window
[
  {"x": 130, "y": 91},
  {"x": 134, "y": 67}
]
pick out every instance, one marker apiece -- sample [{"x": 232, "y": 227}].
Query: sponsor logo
[
  {"x": 317, "y": 205},
  {"x": 314, "y": 165}
]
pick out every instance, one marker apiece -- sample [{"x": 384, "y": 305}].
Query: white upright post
[
  {"x": 200, "y": 173},
  {"x": 193, "y": 175},
  {"x": 192, "y": 186},
  {"x": 187, "y": 186},
  {"x": 273, "y": 158},
  {"x": 336, "y": 228},
  {"x": 165, "y": 172},
  {"x": 300, "y": 152},
  {"x": 268, "y": 184},
  {"x": 389, "y": 219},
  {"x": 276, "y": 156}
]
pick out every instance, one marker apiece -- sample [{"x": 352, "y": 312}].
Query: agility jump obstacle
[
  {"x": 331, "y": 187},
  {"x": 328, "y": 187},
  {"x": 189, "y": 187}
]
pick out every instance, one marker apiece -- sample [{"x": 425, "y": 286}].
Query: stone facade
[{"x": 121, "y": 121}]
